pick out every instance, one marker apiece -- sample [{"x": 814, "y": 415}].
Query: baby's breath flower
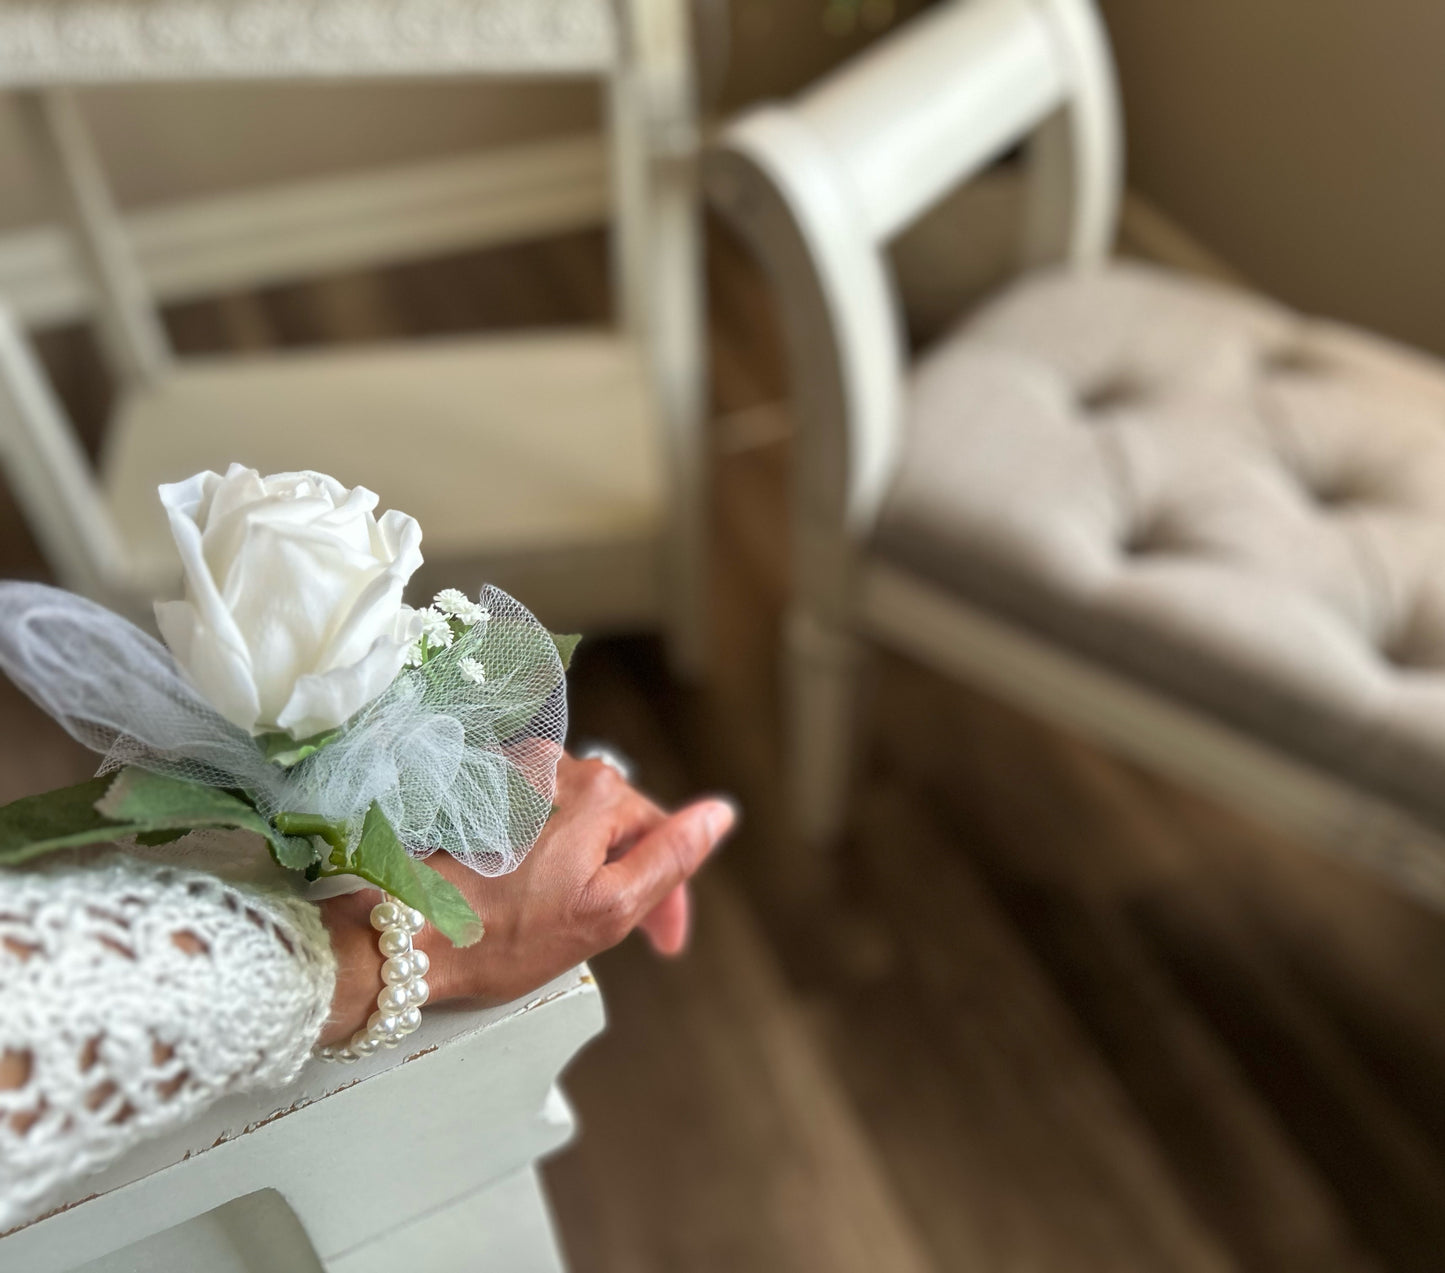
[
  {"x": 414, "y": 656},
  {"x": 435, "y": 630},
  {"x": 471, "y": 669},
  {"x": 455, "y": 604}
]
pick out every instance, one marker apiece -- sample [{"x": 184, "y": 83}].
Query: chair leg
[{"x": 823, "y": 667}]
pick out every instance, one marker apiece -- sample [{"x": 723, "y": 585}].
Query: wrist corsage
[{"x": 299, "y": 698}]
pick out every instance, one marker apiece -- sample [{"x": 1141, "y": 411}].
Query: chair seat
[
  {"x": 1239, "y": 507},
  {"x": 506, "y": 449}
]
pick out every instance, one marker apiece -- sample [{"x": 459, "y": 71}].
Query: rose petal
[
  {"x": 290, "y": 590},
  {"x": 290, "y": 582},
  {"x": 201, "y": 589},
  {"x": 324, "y": 700},
  {"x": 374, "y": 611},
  {"x": 221, "y": 675},
  {"x": 401, "y": 536}
]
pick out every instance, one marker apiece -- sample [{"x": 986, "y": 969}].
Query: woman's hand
[{"x": 608, "y": 861}]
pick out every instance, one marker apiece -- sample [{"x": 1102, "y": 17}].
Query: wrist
[{"x": 358, "y": 963}]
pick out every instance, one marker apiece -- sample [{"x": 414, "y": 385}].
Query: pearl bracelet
[{"x": 398, "y": 1006}]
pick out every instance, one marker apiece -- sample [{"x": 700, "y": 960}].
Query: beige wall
[{"x": 1303, "y": 140}]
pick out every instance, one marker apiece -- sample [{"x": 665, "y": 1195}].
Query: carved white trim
[{"x": 115, "y": 41}]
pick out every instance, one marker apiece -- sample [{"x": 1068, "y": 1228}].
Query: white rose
[{"x": 292, "y": 618}]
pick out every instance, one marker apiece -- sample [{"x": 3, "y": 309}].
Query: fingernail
[{"x": 723, "y": 815}]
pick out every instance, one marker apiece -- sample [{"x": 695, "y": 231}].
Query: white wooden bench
[{"x": 421, "y": 1158}]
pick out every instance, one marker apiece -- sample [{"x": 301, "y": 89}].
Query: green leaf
[
  {"x": 142, "y": 801},
  {"x": 566, "y": 646},
  {"x": 300, "y": 851},
  {"x": 294, "y": 852},
  {"x": 153, "y": 808},
  {"x": 61, "y": 819},
  {"x": 381, "y": 859},
  {"x": 283, "y": 750}
]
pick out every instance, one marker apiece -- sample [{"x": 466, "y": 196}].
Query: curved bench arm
[{"x": 822, "y": 184}]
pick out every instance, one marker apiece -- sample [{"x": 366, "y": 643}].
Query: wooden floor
[{"x": 1062, "y": 1016}]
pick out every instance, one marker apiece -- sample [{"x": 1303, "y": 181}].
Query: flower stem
[{"x": 313, "y": 824}]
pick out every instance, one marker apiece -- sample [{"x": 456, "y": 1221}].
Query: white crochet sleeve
[{"x": 136, "y": 994}]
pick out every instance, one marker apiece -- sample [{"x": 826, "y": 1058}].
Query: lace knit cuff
[{"x": 136, "y": 994}]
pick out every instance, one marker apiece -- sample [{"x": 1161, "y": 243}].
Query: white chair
[
  {"x": 565, "y": 467},
  {"x": 1181, "y": 519},
  {"x": 424, "y": 1158}
]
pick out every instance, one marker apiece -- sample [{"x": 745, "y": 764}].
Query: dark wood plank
[{"x": 715, "y": 1134}]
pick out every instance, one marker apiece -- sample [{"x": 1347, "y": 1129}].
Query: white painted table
[{"x": 420, "y": 1158}]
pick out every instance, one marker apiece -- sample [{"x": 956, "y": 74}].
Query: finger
[
  {"x": 594, "y": 791},
  {"x": 539, "y": 761},
  {"x": 666, "y": 926},
  {"x": 598, "y": 816},
  {"x": 667, "y": 855},
  {"x": 633, "y": 817}
]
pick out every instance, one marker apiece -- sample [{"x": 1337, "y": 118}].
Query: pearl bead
[
  {"x": 386, "y": 915},
  {"x": 399, "y": 969},
  {"x": 395, "y": 941},
  {"x": 381, "y": 1025},
  {"x": 404, "y": 989},
  {"x": 393, "y": 999}
]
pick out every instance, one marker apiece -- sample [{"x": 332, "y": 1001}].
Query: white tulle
[{"x": 455, "y": 764}]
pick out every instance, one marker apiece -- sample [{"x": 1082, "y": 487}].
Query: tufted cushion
[{"x": 1240, "y": 507}]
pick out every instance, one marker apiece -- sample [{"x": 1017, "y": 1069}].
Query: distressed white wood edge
[
  {"x": 932, "y": 625},
  {"x": 354, "y": 1150},
  {"x": 301, "y": 229}
]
